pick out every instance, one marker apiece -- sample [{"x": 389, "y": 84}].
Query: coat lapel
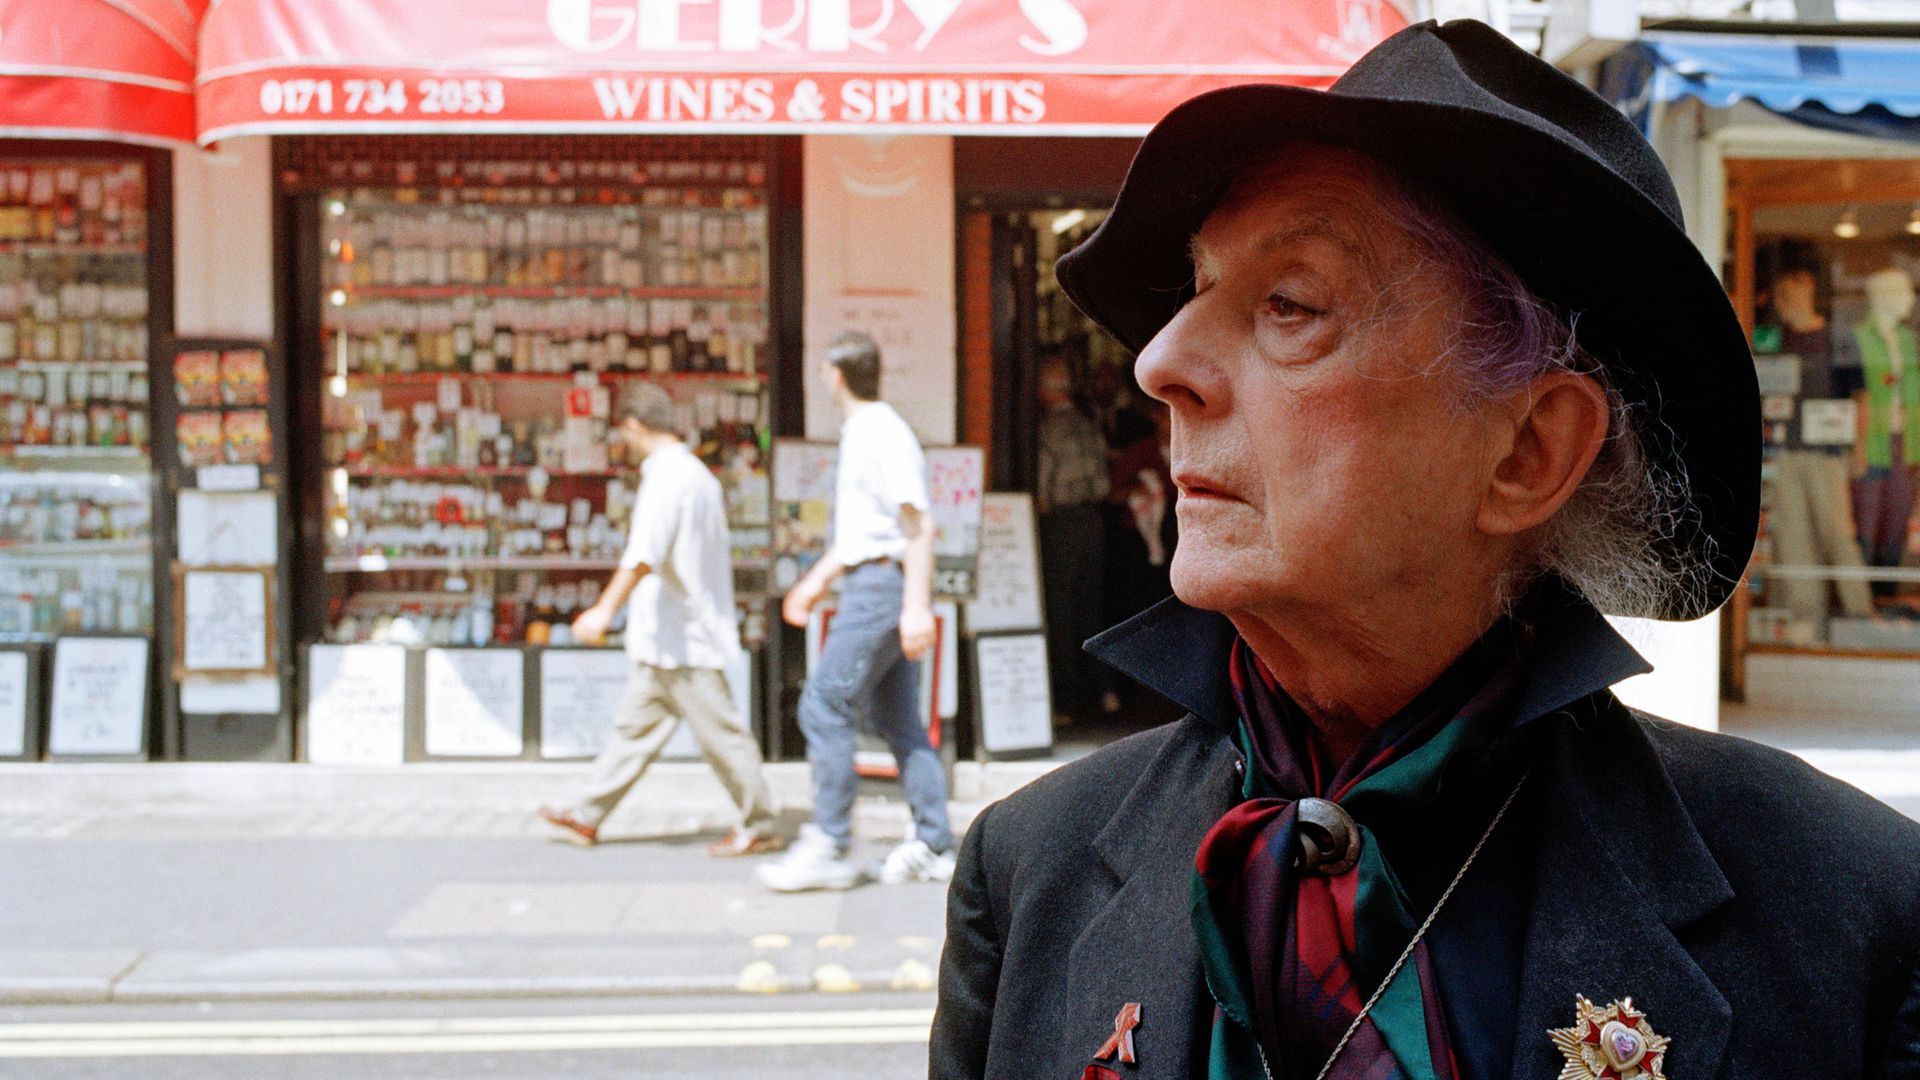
[
  {"x": 1621, "y": 870},
  {"x": 1139, "y": 947}
]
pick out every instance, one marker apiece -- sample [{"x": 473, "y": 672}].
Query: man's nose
[{"x": 1181, "y": 366}]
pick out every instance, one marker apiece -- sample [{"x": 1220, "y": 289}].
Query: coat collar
[
  {"x": 1181, "y": 653},
  {"x": 1620, "y": 871}
]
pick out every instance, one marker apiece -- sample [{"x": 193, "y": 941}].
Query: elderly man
[{"x": 1447, "y": 382}]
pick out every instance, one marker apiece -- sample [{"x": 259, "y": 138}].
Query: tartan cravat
[{"x": 1292, "y": 957}]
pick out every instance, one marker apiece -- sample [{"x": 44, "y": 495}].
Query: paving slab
[{"x": 62, "y": 975}]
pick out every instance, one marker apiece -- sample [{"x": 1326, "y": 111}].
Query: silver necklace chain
[{"x": 1421, "y": 932}]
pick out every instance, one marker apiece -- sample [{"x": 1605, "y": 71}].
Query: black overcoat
[{"x": 1765, "y": 916}]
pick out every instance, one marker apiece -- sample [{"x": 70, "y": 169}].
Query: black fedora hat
[{"x": 1554, "y": 179}]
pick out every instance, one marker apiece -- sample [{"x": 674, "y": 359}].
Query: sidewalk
[
  {"x": 200, "y": 882},
  {"x": 253, "y": 882}
]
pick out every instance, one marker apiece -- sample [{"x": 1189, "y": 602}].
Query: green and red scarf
[{"x": 1291, "y": 958}]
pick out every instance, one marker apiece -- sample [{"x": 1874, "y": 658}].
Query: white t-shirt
[
  {"x": 681, "y": 614},
  {"x": 881, "y": 469}
]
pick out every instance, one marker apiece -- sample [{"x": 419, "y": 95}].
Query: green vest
[{"x": 1877, "y": 365}]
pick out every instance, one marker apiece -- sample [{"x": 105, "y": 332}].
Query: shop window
[
  {"x": 1826, "y": 255},
  {"x": 76, "y": 490},
  {"x": 483, "y": 304}
]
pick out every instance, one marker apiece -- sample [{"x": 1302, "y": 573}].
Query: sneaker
[
  {"x": 813, "y": 862},
  {"x": 746, "y": 842},
  {"x": 915, "y": 861},
  {"x": 572, "y": 829}
]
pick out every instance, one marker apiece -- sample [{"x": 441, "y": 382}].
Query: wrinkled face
[{"x": 1323, "y": 454}]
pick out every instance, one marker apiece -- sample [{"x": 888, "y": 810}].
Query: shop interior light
[
  {"x": 337, "y": 208},
  {"x": 338, "y": 297},
  {"x": 1913, "y": 220},
  {"x": 1063, "y": 222},
  {"x": 337, "y": 386},
  {"x": 340, "y": 484},
  {"x": 1848, "y": 226}
]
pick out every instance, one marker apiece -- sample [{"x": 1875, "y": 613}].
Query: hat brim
[{"x": 1646, "y": 303}]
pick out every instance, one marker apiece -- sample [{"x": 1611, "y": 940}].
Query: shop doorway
[{"x": 1073, "y": 428}]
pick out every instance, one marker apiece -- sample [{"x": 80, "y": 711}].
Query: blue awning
[{"x": 1787, "y": 74}]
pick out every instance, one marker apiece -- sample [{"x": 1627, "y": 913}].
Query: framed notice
[
  {"x": 1006, "y": 593},
  {"x": 98, "y": 697},
  {"x": 803, "y": 476},
  {"x": 356, "y": 704},
  {"x": 803, "y": 490},
  {"x": 1012, "y": 693},
  {"x": 474, "y": 702},
  {"x": 224, "y": 621},
  {"x": 957, "y": 481},
  {"x": 19, "y": 705},
  {"x": 580, "y": 689}
]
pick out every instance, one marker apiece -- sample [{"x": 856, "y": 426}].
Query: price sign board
[
  {"x": 475, "y": 702},
  {"x": 1014, "y": 697},
  {"x": 99, "y": 697},
  {"x": 226, "y": 621},
  {"x": 1006, "y": 593},
  {"x": 356, "y": 704},
  {"x": 580, "y": 689},
  {"x": 19, "y": 714}
]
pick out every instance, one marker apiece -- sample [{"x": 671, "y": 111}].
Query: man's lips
[{"x": 1200, "y": 487}]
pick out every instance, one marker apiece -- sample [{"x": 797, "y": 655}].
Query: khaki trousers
[
  {"x": 1811, "y": 522},
  {"x": 656, "y": 700}
]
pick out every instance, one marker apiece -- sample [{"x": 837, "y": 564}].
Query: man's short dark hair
[
  {"x": 857, "y": 356},
  {"x": 648, "y": 404}
]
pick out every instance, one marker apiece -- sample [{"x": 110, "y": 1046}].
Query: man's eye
[{"x": 1286, "y": 307}]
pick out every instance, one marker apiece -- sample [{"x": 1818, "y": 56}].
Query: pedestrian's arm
[
  {"x": 590, "y": 626},
  {"x": 916, "y": 598},
  {"x": 808, "y": 590}
]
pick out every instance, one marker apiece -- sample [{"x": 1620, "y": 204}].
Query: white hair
[{"x": 1612, "y": 539}]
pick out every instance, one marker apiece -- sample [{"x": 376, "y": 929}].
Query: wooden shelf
[
  {"x": 428, "y": 378},
  {"x": 374, "y": 564},
  {"x": 555, "y": 292},
  {"x": 366, "y": 472},
  {"x": 45, "y": 247},
  {"x": 70, "y": 453}
]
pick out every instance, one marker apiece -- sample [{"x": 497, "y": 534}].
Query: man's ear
[{"x": 1560, "y": 425}]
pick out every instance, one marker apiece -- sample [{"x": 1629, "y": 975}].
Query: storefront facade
[
  {"x": 417, "y": 257},
  {"x": 1800, "y": 158}
]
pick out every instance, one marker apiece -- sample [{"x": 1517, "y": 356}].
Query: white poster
[
  {"x": 228, "y": 528},
  {"x": 226, "y": 621},
  {"x": 581, "y": 695},
  {"x": 99, "y": 697},
  {"x": 580, "y": 690},
  {"x": 475, "y": 702},
  {"x": 1016, "y": 702},
  {"x": 356, "y": 704},
  {"x": 879, "y": 226},
  {"x": 1007, "y": 589},
  {"x": 13, "y": 704}
]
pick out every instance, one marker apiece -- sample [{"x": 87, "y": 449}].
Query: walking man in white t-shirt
[
  {"x": 882, "y": 554},
  {"x": 676, "y": 579}
]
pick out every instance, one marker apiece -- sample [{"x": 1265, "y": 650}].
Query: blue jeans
[{"x": 863, "y": 674}]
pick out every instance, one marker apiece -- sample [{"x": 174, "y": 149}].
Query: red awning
[
  {"x": 98, "y": 69},
  {"x": 958, "y": 66}
]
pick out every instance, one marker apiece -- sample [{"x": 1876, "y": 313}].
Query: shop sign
[{"x": 755, "y": 65}]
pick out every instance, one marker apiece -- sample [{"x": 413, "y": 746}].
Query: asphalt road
[{"x": 785, "y": 1037}]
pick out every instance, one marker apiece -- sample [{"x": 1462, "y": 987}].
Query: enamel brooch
[{"x": 1611, "y": 1043}]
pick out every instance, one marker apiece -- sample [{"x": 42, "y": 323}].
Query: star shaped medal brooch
[{"x": 1611, "y": 1043}]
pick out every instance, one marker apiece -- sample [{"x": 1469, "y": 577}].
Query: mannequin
[
  {"x": 1883, "y": 495},
  {"x": 1810, "y": 518}
]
